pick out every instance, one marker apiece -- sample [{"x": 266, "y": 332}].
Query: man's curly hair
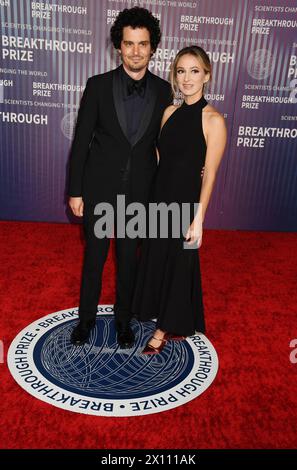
[{"x": 135, "y": 17}]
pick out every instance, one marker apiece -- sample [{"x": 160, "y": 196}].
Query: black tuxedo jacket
[{"x": 101, "y": 155}]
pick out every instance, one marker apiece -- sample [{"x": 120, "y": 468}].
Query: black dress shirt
[{"x": 134, "y": 96}]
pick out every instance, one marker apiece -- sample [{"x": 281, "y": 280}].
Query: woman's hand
[
  {"x": 77, "y": 206},
  {"x": 194, "y": 233}
]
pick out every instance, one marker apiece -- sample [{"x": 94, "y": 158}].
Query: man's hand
[{"x": 77, "y": 206}]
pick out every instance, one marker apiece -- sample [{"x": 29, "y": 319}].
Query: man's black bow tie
[{"x": 136, "y": 86}]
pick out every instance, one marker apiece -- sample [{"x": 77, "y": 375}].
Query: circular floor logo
[{"x": 101, "y": 379}]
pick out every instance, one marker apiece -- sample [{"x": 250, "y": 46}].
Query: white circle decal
[{"x": 101, "y": 379}]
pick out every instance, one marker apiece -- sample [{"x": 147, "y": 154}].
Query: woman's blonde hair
[{"x": 197, "y": 52}]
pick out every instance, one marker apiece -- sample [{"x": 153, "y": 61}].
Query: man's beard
[{"x": 138, "y": 66}]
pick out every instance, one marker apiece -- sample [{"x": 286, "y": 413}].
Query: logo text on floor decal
[{"x": 101, "y": 379}]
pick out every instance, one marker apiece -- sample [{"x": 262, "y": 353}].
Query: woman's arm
[
  {"x": 216, "y": 143},
  {"x": 158, "y": 155},
  {"x": 216, "y": 136}
]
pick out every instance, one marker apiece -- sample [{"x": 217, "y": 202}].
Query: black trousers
[{"x": 96, "y": 251}]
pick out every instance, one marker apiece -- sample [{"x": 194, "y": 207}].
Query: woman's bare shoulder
[
  {"x": 212, "y": 115},
  {"x": 168, "y": 112},
  {"x": 170, "y": 109},
  {"x": 211, "y": 112}
]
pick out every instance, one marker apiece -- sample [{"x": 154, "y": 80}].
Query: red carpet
[{"x": 250, "y": 295}]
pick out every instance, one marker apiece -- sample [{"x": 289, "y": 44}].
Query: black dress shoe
[
  {"x": 125, "y": 336},
  {"x": 81, "y": 333}
]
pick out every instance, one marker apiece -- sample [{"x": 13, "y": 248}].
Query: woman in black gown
[{"x": 192, "y": 136}]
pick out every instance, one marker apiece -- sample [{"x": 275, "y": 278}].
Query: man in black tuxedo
[{"x": 113, "y": 153}]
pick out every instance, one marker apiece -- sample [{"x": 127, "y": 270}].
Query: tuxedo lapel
[
  {"x": 150, "y": 97},
  {"x": 118, "y": 101},
  {"x": 150, "y": 101}
]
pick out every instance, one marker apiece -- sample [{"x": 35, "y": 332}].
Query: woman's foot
[{"x": 156, "y": 343}]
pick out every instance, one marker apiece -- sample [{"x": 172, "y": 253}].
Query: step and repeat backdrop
[{"x": 49, "y": 49}]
